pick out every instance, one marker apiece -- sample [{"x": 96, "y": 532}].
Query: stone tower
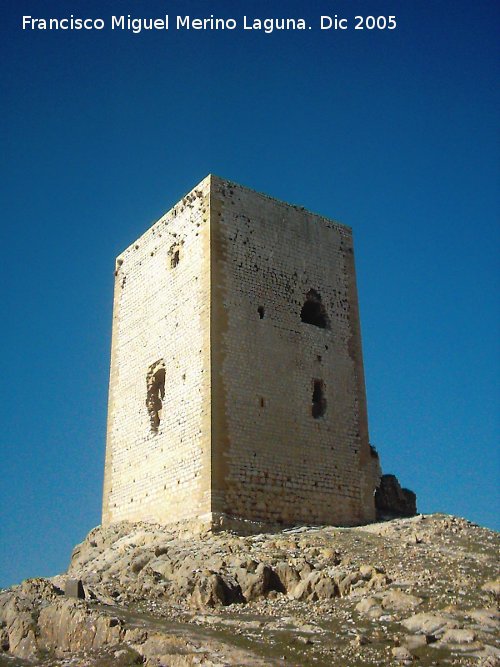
[{"x": 237, "y": 389}]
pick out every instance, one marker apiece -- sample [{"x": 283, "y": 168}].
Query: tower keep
[{"x": 237, "y": 387}]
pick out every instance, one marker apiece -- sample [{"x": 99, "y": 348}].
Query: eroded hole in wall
[
  {"x": 314, "y": 312},
  {"x": 318, "y": 408},
  {"x": 174, "y": 260},
  {"x": 174, "y": 253},
  {"x": 155, "y": 381},
  {"x": 261, "y": 311}
]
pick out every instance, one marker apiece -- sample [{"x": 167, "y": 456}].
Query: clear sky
[{"x": 394, "y": 133}]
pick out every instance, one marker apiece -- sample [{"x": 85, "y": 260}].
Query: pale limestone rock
[
  {"x": 399, "y": 601},
  {"x": 370, "y": 606},
  {"x": 458, "y": 636},
  {"x": 412, "y": 642},
  {"x": 429, "y": 623},
  {"x": 402, "y": 654},
  {"x": 486, "y": 618},
  {"x": 492, "y": 586},
  {"x": 256, "y": 584},
  {"x": 288, "y": 575}
]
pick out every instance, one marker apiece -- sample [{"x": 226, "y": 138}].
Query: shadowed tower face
[{"x": 236, "y": 387}]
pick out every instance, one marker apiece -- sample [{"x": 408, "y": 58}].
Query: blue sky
[{"x": 393, "y": 133}]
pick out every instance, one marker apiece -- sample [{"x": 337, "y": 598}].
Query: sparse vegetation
[{"x": 421, "y": 590}]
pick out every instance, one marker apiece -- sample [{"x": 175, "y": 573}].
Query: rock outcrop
[
  {"x": 392, "y": 501},
  {"x": 389, "y": 593}
]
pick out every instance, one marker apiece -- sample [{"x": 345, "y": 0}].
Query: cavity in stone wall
[{"x": 155, "y": 394}]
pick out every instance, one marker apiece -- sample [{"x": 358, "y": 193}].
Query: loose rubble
[{"x": 421, "y": 590}]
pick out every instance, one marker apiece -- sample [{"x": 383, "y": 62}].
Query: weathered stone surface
[
  {"x": 4, "y": 638},
  {"x": 71, "y": 626},
  {"x": 214, "y": 285},
  {"x": 73, "y": 588},
  {"x": 458, "y": 636},
  {"x": 169, "y": 596},
  {"x": 214, "y": 590},
  {"x": 492, "y": 586},
  {"x": 486, "y": 618},
  {"x": 370, "y": 606},
  {"x": 258, "y": 583},
  {"x": 393, "y": 501},
  {"x": 326, "y": 588},
  {"x": 367, "y": 572},
  {"x": 402, "y": 654},
  {"x": 19, "y": 623},
  {"x": 288, "y": 576},
  {"x": 430, "y": 624},
  {"x": 305, "y": 588},
  {"x": 412, "y": 642},
  {"x": 396, "y": 599},
  {"x": 316, "y": 586}
]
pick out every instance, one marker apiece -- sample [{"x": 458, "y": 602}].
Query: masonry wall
[
  {"x": 215, "y": 379},
  {"x": 272, "y": 460},
  {"x": 158, "y": 461}
]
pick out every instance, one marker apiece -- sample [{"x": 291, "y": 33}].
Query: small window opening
[
  {"x": 155, "y": 380},
  {"x": 262, "y": 402},
  {"x": 318, "y": 399},
  {"x": 174, "y": 260},
  {"x": 260, "y": 310},
  {"x": 313, "y": 311}
]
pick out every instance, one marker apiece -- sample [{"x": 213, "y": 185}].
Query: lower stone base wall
[
  {"x": 220, "y": 522},
  {"x": 214, "y": 522},
  {"x": 285, "y": 507}
]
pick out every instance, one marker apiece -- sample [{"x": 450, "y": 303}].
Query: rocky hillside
[{"x": 418, "y": 591}]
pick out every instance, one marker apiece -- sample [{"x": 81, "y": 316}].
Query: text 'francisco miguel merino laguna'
[{"x": 137, "y": 25}]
